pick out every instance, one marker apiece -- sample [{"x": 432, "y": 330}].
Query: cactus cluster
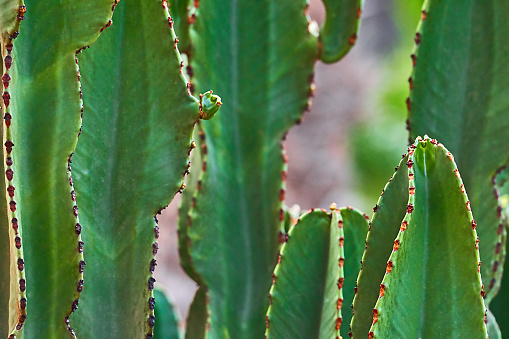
[{"x": 99, "y": 88}]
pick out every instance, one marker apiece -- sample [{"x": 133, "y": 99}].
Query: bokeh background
[{"x": 347, "y": 146}]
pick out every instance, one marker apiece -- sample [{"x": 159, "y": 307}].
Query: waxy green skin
[
  {"x": 129, "y": 163},
  {"x": 11, "y": 295},
  {"x": 259, "y": 57},
  {"x": 308, "y": 277},
  {"x": 167, "y": 323},
  {"x": 355, "y": 229},
  {"x": 304, "y": 295},
  {"x": 196, "y": 321},
  {"x": 459, "y": 97},
  {"x": 385, "y": 225},
  {"x": 432, "y": 286},
  {"x": 45, "y": 107}
]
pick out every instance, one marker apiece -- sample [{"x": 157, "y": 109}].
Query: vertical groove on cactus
[
  {"x": 459, "y": 95},
  {"x": 13, "y": 300}
]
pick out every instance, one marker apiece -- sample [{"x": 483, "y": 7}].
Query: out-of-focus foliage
[{"x": 378, "y": 141}]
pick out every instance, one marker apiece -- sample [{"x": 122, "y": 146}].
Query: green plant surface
[
  {"x": 236, "y": 220},
  {"x": 12, "y": 297},
  {"x": 355, "y": 229},
  {"x": 198, "y": 315},
  {"x": 339, "y": 31},
  {"x": 308, "y": 280},
  {"x": 9, "y": 21},
  {"x": 41, "y": 112},
  {"x": 180, "y": 11},
  {"x": 188, "y": 200},
  {"x": 492, "y": 326},
  {"x": 384, "y": 228},
  {"x": 129, "y": 163},
  {"x": 498, "y": 306},
  {"x": 459, "y": 96},
  {"x": 166, "y": 326},
  {"x": 432, "y": 286},
  {"x": 260, "y": 57}
]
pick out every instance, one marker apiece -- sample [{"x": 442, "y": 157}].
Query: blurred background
[{"x": 347, "y": 146}]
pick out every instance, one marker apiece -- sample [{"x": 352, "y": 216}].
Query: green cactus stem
[
  {"x": 306, "y": 295},
  {"x": 459, "y": 96},
  {"x": 259, "y": 56},
  {"x": 432, "y": 285},
  {"x": 167, "y": 323},
  {"x": 182, "y": 14},
  {"x": 12, "y": 294},
  {"x": 355, "y": 229},
  {"x": 41, "y": 109},
  {"x": 129, "y": 163},
  {"x": 384, "y": 228},
  {"x": 196, "y": 323}
]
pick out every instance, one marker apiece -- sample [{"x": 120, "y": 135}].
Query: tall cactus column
[
  {"x": 259, "y": 56},
  {"x": 129, "y": 163},
  {"x": 41, "y": 109},
  {"x": 459, "y": 96}
]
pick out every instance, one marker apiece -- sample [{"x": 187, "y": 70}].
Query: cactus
[
  {"x": 132, "y": 154},
  {"x": 126, "y": 139},
  {"x": 265, "y": 87}
]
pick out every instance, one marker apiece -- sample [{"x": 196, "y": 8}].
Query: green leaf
[
  {"x": 129, "y": 163},
  {"x": 339, "y": 31},
  {"x": 432, "y": 286},
  {"x": 385, "y": 225},
  {"x": 166, "y": 320},
  {"x": 259, "y": 57},
  {"x": 459, "y": 96},
  {"x": 355, "y": 229},
  {"x": 196, "y": 323},
  {"x": 305, "y": 300}
]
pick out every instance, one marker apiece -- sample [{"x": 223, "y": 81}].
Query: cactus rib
[
  {"x": 137, "y": 131},
  {"x": 439, "y": 236},
  {"x": 13, "y": 300},
  {"x": 463, "y": 71},
  {"x": 339, "y": 31}
]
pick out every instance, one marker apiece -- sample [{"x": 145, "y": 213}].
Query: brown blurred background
[{"x": 347, "y": 146}]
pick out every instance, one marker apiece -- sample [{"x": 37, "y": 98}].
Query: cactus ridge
[
  {"x": 196, "y": 168},
  {"x": 157, "y": 133},
  {"x": 250, "y": 135},
  {"x": 383, "y": 229},
  {"x": 463, "y": 71},
  {"x": 339, "y": 31},
  {"x": 431, "y": 178},
  {"x": 355, "y": 229},
  {"x": 308, "y": 278},
  {"x": 13, "y": 290},
  {"x": 197, "y": 320}
]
